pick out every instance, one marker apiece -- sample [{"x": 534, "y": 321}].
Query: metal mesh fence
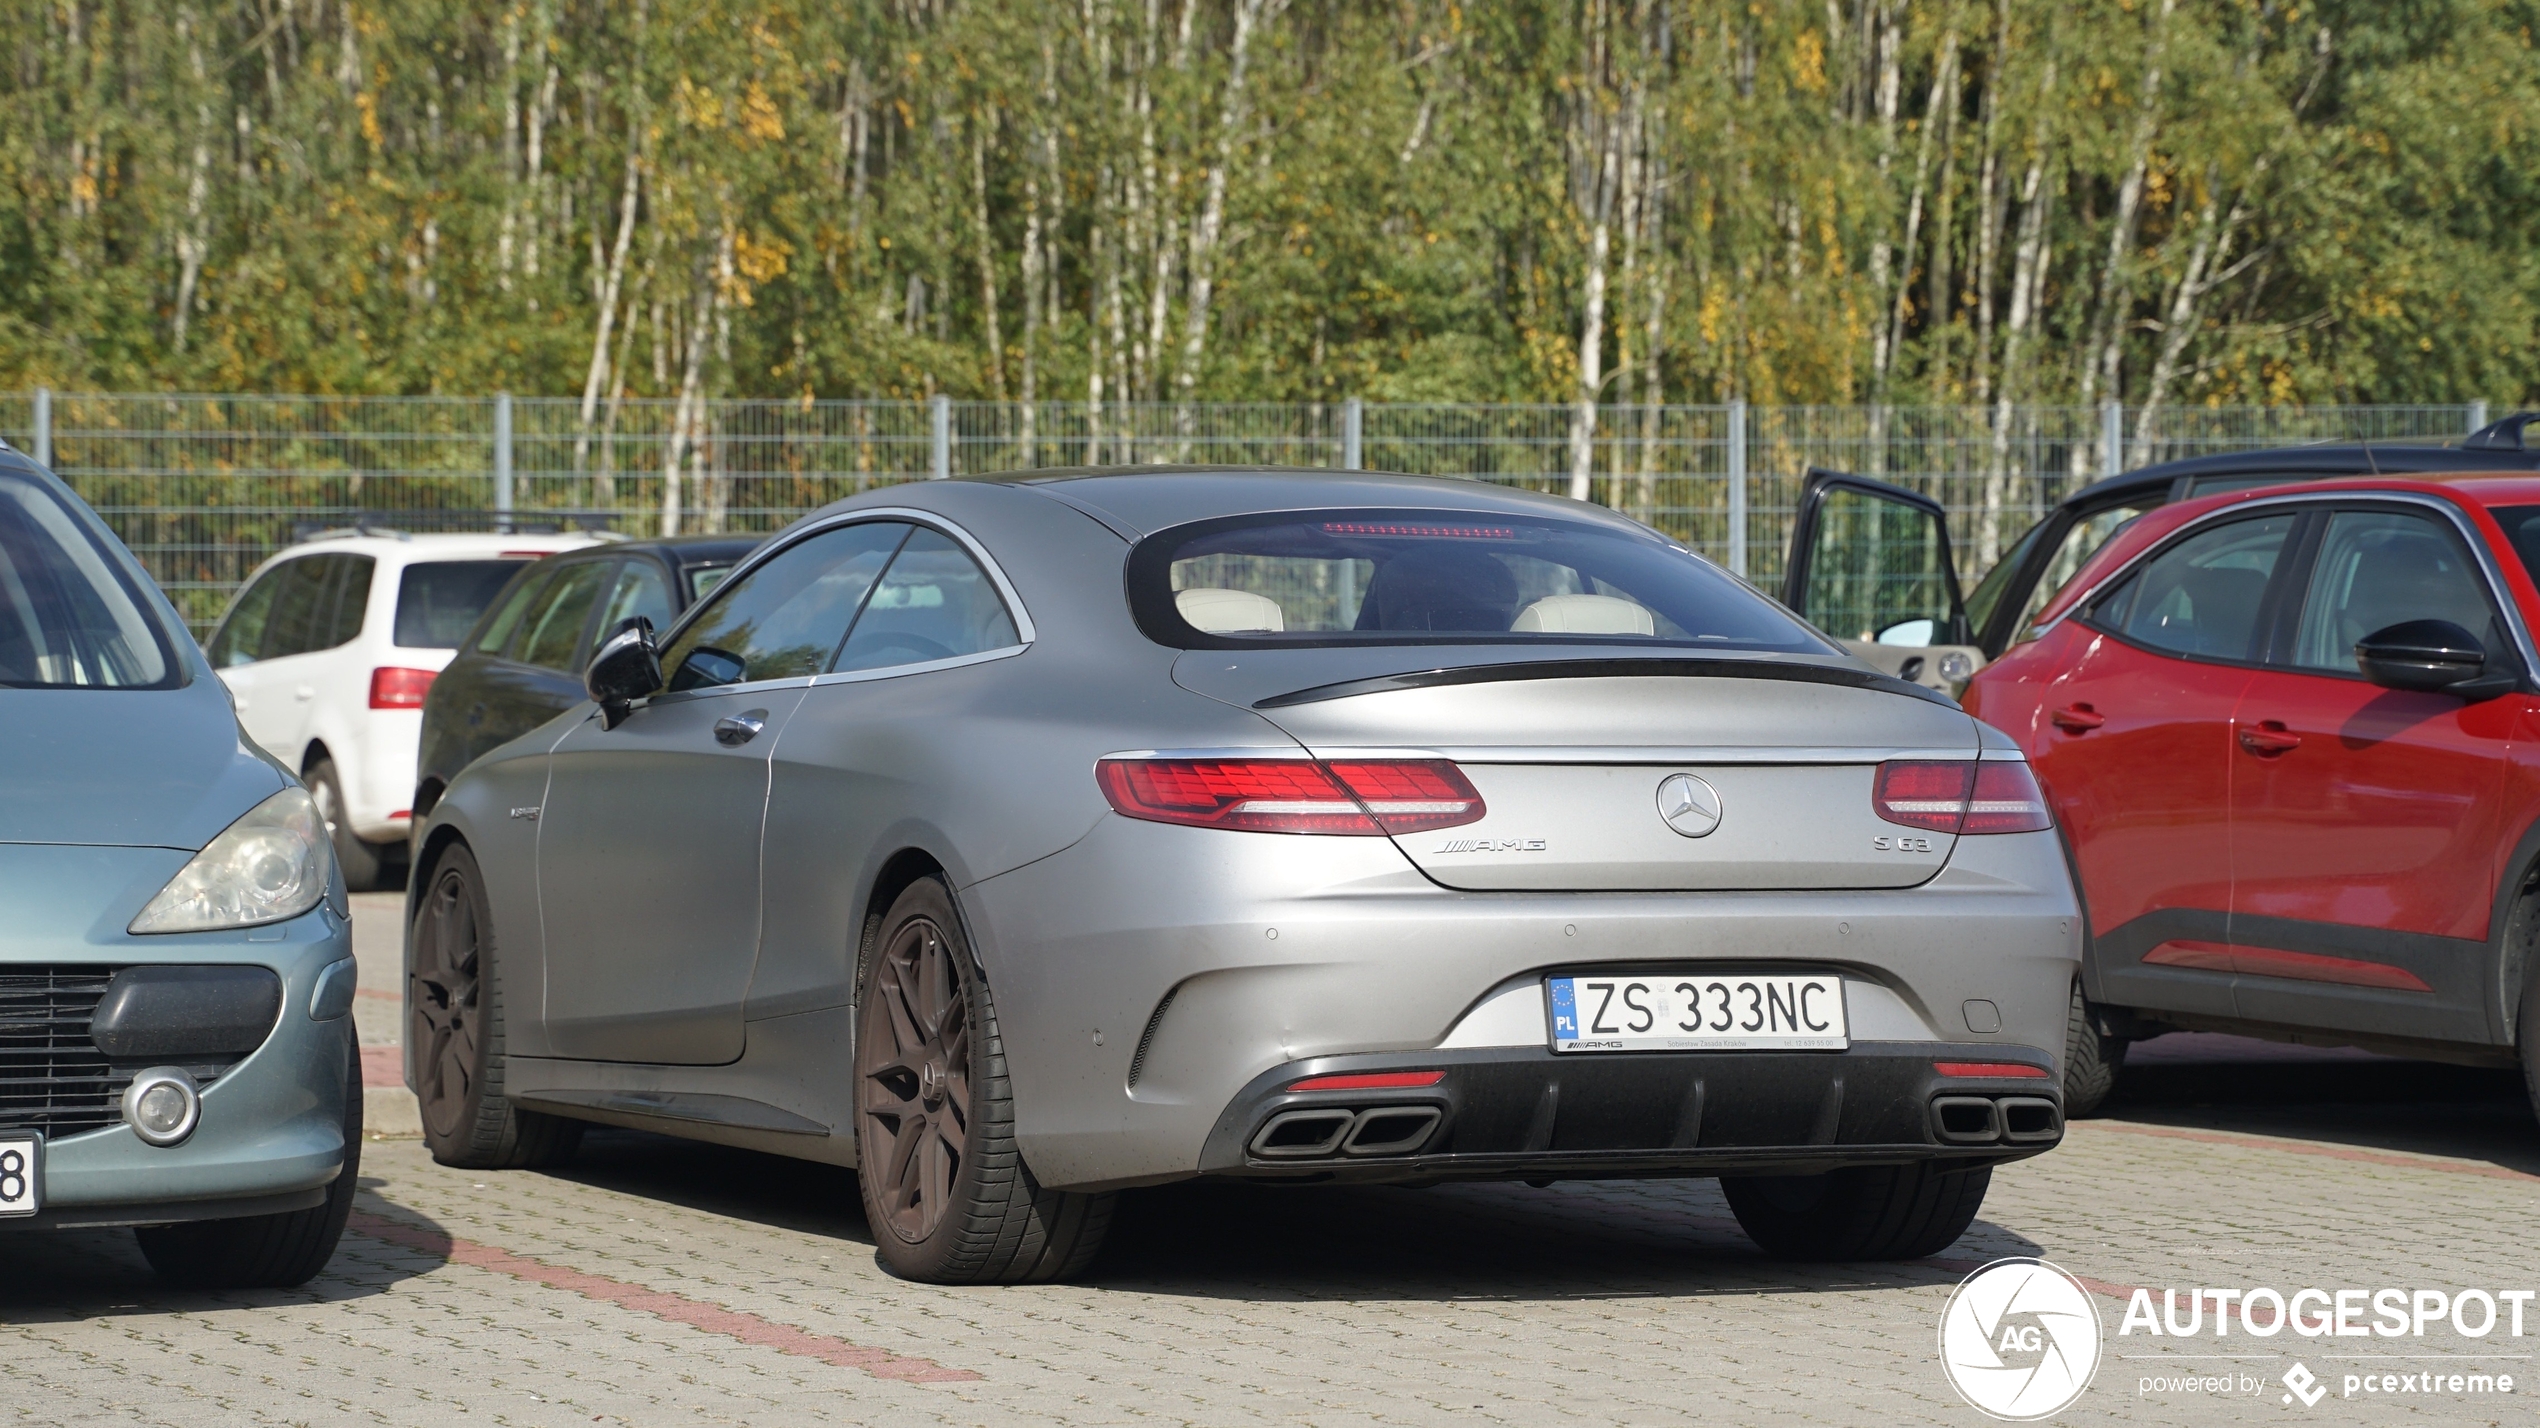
[{"x": 204, "y": 487}]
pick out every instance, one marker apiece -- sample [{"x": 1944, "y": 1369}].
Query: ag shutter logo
[{"x": 2020, "y": 1340}]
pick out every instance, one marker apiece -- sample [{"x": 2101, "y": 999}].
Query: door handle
[
  {"x": 2269, "y": 738},
  {"x": 304, "y": 692},
  {"x": 2077, "y": 718},
  {"x": 739, "y": 729}
]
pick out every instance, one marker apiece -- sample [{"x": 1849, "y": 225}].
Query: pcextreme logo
[{"x": 2020, "y": 1340}]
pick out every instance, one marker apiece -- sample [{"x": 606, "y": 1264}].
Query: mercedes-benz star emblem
[{"x": 1689, "y": 805}]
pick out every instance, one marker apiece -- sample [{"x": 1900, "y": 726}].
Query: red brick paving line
[
  {"x": 2326, "y": 1152},
  {"x": 661, "y": 1304},
  {"x": 384, "y": 1066}
]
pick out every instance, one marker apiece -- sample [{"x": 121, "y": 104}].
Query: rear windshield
[
  {"x": 438, "y": 600},
  {"x": 1348, "y": 577},
  {"x": 68, "y": 617}
]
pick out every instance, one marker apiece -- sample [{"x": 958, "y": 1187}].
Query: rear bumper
[
  {"x": 1148, "y": 975},
  {"x": 1525, "y": 1113}
]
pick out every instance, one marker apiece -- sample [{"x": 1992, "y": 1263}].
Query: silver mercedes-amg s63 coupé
[{"x": 1020, "y": 840}]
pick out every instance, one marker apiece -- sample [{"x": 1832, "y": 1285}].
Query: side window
[
  {"x": 242, "y": 635},
  {"x": 935, "y": 603},
  {"x": 303, "y": 614},
  {"x": 551, "y": 636},
  {"x": 498, "y": 631},
  {"x": 352, "y": 598},
  {"x": 641, "y": 590},
  {"x": 2201, "y": 596},
  {"x": 2381, "y": 568},
  {"x": 786, "y": 617}
]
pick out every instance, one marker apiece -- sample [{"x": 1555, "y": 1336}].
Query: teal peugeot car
[{"x": 176, "y": 959}]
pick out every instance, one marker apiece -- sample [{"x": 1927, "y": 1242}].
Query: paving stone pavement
[{"x": 659, "y": 1282}]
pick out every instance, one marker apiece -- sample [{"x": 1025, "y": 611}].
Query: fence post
[
  {"x": 939, "y": 437},
  {"x": 503, "y": 462},
  {"x": 1737, "y": 487},
  {"x": 44, "y": 427},
  {"x": 2111, "y": 437},
  {"x": 1353, "y": 436},
  {"x": 2477, "y": 415}
]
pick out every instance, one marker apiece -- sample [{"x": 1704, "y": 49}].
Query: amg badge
[{"x": 1490, "y": 845}]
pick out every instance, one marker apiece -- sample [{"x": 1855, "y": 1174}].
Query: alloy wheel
[
  {"x": 913, "y": 1080},
  {"x": 447, "y": 961}
]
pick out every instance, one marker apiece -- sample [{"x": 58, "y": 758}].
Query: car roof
[
  {"x": 435, "y": 545},
  {"x": 2498, "y": 445},
  {"x": 681, "y": 550},
  {"x": 1152, "y": 498}
]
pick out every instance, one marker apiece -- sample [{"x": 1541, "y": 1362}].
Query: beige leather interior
[
  {"x": 1584, "y": 615},
  {"x": 1223, "y": 612}
]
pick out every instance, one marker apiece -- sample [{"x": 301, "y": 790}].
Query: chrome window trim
[
  {"x": 894, "y": 671},
  {"x": 2497, "y": 590}
]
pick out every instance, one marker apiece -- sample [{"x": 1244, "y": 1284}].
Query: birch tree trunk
[
  {"x": 2027, "y": 273},
  {"x": 194, "y": 241},
  {"x": 612, "y": 279},
  {"x": 987, "y": 255},
  {"x": 1207, "y": 231},
  {"x": 1941, "y": 99},
  {"x": 2100, "y": 352}
]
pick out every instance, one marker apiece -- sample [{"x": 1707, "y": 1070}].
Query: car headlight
[{"x": 270, "y": 866}]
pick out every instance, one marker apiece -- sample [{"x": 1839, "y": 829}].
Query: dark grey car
[
  {"x": 1020, "y": 840},
  {"x": 522, "y": 663}
]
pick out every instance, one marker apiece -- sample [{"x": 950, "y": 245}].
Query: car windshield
[
  {"x": 1339, "y": 577},
  {"x": 68, "y": 617},
  {"x": 438, "y": 600}
]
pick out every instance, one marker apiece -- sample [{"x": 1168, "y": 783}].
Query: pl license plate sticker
[
  {"x": 1625, "y": 1012},
  {"x": 21, "y": 1175}
]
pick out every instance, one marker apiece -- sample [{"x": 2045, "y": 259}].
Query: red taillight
[
  {"x": 1924, "y": 795},
  {"x": 1961, "y": 797},
  {"x": 393, "y": 688},
  {"x": 1361, "y": 798},
  {"x": 1980, "y": 1070},
  {"x": 2007, "y": 800},
  {"x": 1372, "y": 1081},
  {"x": 1411, "y": 797}
]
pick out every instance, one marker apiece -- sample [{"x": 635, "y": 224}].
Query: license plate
[
  {"x": 1621, "y": 1012},
  {"x": 21, "y": 1174}
]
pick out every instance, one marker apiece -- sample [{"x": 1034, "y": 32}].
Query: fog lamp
[{"x": 162, "y": 1105}]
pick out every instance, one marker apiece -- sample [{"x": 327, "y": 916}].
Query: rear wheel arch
[
  {"x": 902, "y": 868},
  {"x": 427, "y": 797},
  {"x": 2513, "y": 933}
]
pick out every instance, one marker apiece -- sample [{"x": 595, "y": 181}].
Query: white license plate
[
  {"x": 1624, "y": 1012},
  {"x": 21, "y": 1174}
]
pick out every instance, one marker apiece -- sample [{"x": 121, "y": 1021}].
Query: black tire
[
  {"x": 945, "y": 1190},
  {"x": 454, "y": 1022},
  {"x": 2528, "y": 1026},
  {"x": 1868, "y": 1212},
  {"x": 266, "y": 1251},
  {"x": 2092, "y": 1062},
  {"x": 367, "y": 866}
]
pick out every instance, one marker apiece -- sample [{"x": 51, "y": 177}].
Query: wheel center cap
[{"x": 930, "y": 1082}]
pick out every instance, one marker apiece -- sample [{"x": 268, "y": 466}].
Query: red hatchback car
[{"x": 2293, "y": 736}]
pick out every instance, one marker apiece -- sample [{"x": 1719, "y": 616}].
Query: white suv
[{"x": 327, "y": 652}]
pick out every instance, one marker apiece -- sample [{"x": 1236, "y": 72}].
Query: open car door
[{"x": 1870, "y": 565}]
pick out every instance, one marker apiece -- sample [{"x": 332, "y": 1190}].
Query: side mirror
[
  {"x": 626, "y": 669},
  {"x": 2429, "y": 656}
]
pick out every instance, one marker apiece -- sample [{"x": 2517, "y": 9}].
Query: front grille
[{"x": 52, "y": 1077}]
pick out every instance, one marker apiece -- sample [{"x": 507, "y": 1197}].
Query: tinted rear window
[
  {"x": 438, "y": 601},
  {"x": 2522, "y": 527},
  {"x": 1348, "y": 577}
]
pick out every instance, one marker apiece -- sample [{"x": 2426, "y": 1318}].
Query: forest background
[{"x": 1580, "y": 201}]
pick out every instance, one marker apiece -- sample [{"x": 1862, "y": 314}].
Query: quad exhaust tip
[
  {"x": 1323, "y": 1132},
  {"x": 1986, "y": 1120}
]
